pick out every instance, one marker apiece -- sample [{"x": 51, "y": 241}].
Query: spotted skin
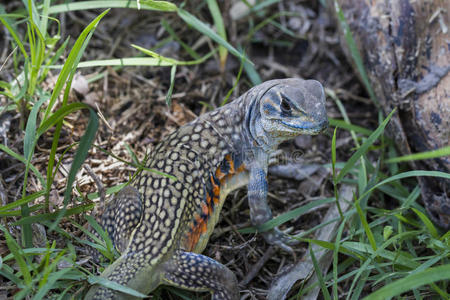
[
  {"x": 200, "y": 273},
  {"x": 161, "y": 225},
  {"x": 120, "y": 226}
]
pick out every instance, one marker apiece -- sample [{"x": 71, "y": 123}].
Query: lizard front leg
[{"x": 260, "y": 211}]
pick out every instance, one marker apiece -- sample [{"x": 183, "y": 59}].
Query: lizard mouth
[{"x": 306, "y": 127}]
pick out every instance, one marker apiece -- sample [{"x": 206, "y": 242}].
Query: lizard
[{"x": 161, "y": 225}]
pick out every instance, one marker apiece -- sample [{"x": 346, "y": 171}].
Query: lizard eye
[{"x": 285, "y": 106}]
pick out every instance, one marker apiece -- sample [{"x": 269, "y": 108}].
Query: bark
[{"x": 405, "y": 51}]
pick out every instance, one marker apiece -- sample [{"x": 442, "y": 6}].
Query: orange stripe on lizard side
[
  {"x": 231, "y": 163},
  {"x": 205, "y": 209},
  {"x": 219, "y": 174},
  {"x": 200, "y": 222}
]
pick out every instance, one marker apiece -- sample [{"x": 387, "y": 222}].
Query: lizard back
[{"x": 201, "y": 155}]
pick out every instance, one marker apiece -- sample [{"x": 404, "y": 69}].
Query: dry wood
[{"x": 404, "y": 48}]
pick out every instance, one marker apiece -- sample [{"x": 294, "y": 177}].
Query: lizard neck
[
  {"x": 239, "y": 123},
  {"x": 252, "y": 125}
]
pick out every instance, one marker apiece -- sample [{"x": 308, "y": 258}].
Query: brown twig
[{"x": 257, "y": 267}]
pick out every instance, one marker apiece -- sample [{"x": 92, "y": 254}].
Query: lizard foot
[{"x": 281, "y": 239}]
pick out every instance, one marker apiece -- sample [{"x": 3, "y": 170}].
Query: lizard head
[{"x": 291, "y": 107}]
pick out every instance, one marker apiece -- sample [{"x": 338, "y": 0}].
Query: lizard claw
[{"x": 281, "y": 239}]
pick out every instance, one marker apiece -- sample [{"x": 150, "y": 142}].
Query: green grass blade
[
  {"x": 5, "y": 21},
  {"x": 283, "y": 218},
  {"x": 44, "y": 16},
  {"x": 252, "y": 74},
  {"x": 71, "y": 63},
  {"x": 333, "y": 168},
  {"x": 138, "y": 166},
  {"x": 114, "y": 286},
  {"x": 101, "y": 243},
  {"x": 206, "y": 30},
  {"x": 134, "y": 158},
  {"x": 411, "y": 199},
  {"x": 59, "y": 115},
  {"x": 22, "y": 201},
  {"x": 256, "y": 8},
  {"x": 103, "y": 234},
  {"x": 33, "y": 14},
  {"x": 445, "y": 237},
  {"x": 396, "y": 257},
  {"x": 173, "y": 70},
  {"x": 70, "y": 67},
  {"x": 53, "y": 59},
  {"x": 18, "y": 255},
  {"x": 319, "y": 275},
  {"x": 30, "y": 130},
  {"x": 431, "y": 229},
  {"x": 362, "y": 176},
  {"x": 31, "y": 251},
  {"x": 166, "y": 61},
  {"x": 85, "y": 144},
  {"x": 123, "y": 62},
  {"x": 156, "y": 61},
  {"x": 355, "y": 52},
  {"x": 51, "y": 265},
  {"x": 330, "y": 246},
  {"x": 445, "y": 151},
  {"x": 185, "y": 46},
  {"x": 29, "y": 144},
  {"x": 218, "y": 23},
  {"x": 407, "y": 175},
  {"x": 17, "y": 213},
  {"x": 343, "y": 112},
  {"x": 43, "y": 291},
  {"x": 8, "y": 273},
  {"x": 263, "y": 4},
  {"x": 84, "y": 5},
  {"x": 238, "y": 77},
  {"x": 356, "y": 295},
  {"x": 429, "y": 263},
  {"x": 109, "y": 191},
  {"x": 42, "y": 218},
  {"x": 360, "y": 247},
  {"x": 170, "y": 61},
  {"x": 413, "y": 281},
  {"x": 344, "y": 125},
  {"x": 24, "y": 161},
  {"x": 36, "y": 41},
  {"x": 337, "y": 244},
  {"x": 333, "y": 157},
  {"x": 158, "y": 5},
  {"x": 363, "y": 149},
  {"x": 366, "y": 226}
]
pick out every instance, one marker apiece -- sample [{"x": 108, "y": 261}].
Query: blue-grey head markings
[
  {"x": 283, "y": 109},
  {"x": 282, "y": 106},
  {"x": 279, "y": 106},
  {"x": 285, "y": 106}
]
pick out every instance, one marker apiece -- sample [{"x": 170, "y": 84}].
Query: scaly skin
[{"x": 161, "y": 225}]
